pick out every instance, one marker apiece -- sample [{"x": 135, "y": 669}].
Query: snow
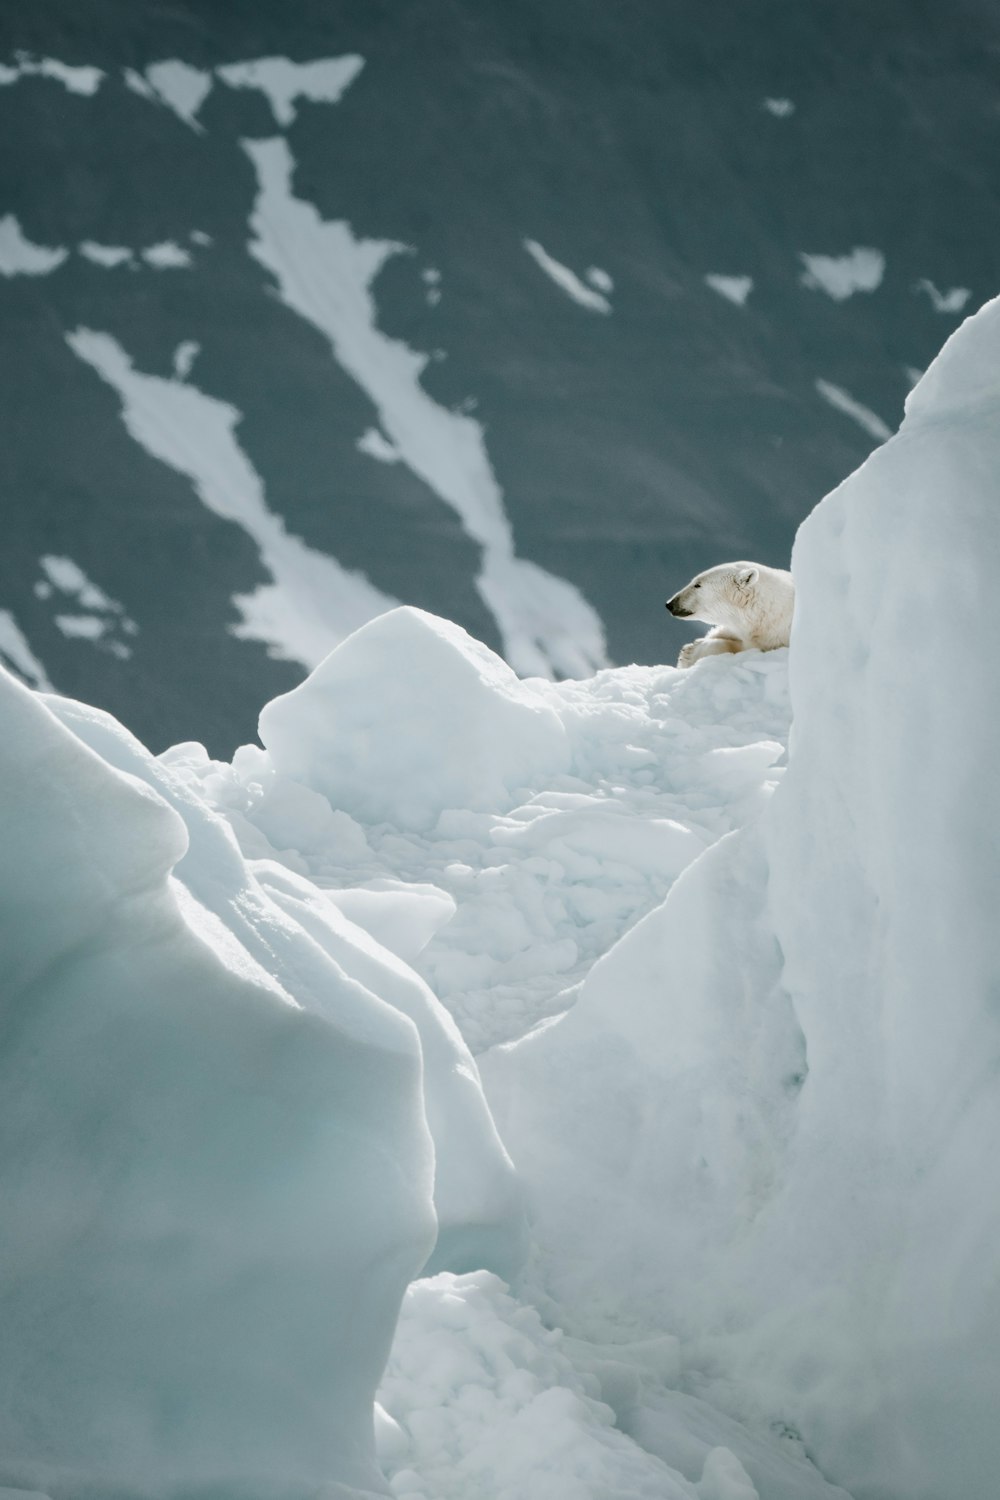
[
  {"x": 167, "y": 256},
  {"x": 325, "y": 274},
  {"x": 796, "y": 1054},
  {"x": 200, "y": 1278},
  {"x": 67, "y": 576},
  {"x": 733, "y": 1011},
  {"x": 138, "y": 84},
  {"x": 84, "y": 627},
  {"x": 567, "y": 280},
  {"x": 312, "y": 602},
  {"x": 377, "y": 446},
  {"x": 384, "y": 760},
  {"x": 284, "y": 923},
  {"x": 105, "y": 255},
  {"x": 952, "y": 301},
  {"x": 734, "y": 288},
  {"x": 76, "y": 80},
  {"x": 841, "y": 400},
  {"x": 600, "y": 278},
  {"x": 16, "y": 653},
  {"x": 584, "y": 802},
  {"x": 20, "y": 257},
  {"x": 487, "y": 1403},
  {"x": 322, "y": 81},
  {"x": 181, "y": 87},
  {"x": 184, "y": 357},
  {"x": 840, "y": 276},
  {"x": 781, "y": 109},
  {"x": 105, "y": 620}
]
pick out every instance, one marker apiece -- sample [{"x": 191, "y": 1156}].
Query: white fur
[{"x": 749, "y": 605}]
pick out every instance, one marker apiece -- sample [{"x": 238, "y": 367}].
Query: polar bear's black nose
[{"x": 675, "y": 608}]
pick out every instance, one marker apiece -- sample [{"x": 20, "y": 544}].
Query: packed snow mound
[
  {"x": 374, "y": 727},
  {"x": 314, "y": 951},
  {"x": 214, "y": 1197},
  {"x": 484, "y": 1401},
  {"x": 483, "y": 1398},
  {"x": 781, "y": 1087},
  {"x": 504, "y": 907}
]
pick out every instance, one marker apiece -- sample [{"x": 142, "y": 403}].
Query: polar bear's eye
[{"x": 697, "y": 585}]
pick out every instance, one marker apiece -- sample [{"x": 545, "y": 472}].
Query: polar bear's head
[{"x": 720, "y": 596}]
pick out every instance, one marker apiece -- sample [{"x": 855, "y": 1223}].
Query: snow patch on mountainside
[
  {"x": 105, "y": 620},
  {"x": 567, "y": 280},
  {"x": 326, "y": 274},
  {"x": 841, "y": 276},
  {"x": 322, "y": 81},
  {"x": 951, "y": 301},
  {"x": 312, "y": 602},
  {"x": 841, "y": 400},
  {"x": 181, "y": 87},
  {"x": 16, "y": 653},
  {"x": 76, "y": 80},
  {"x": 735, "y": 289},
  {"x": 20, "y": 257},
  {"x": 167, "y": 256},
  {"x": 107, "y": 256}
]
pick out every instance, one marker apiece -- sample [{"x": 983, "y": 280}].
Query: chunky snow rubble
[{"x": 736, "y": 1026}]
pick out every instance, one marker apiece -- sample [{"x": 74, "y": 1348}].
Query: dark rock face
[{"x": 659, "y": 143}]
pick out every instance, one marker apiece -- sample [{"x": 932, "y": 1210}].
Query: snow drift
[{"x": 772, "y": 1113}]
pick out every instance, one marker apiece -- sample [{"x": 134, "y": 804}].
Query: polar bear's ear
[{"x": 747, "y": 577}]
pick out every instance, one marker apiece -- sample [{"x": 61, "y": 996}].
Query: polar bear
[{"x": 750, "y": 606}]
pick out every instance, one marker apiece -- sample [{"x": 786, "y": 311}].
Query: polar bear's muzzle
[{"x": 677, "y": 609}]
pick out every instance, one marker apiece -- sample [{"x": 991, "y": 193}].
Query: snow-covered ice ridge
[{"x": 713, "y": 1213}]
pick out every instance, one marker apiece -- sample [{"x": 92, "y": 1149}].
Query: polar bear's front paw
[{"x": 689, "y": 654}]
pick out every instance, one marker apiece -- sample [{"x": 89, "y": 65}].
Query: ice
[
  {"x": 734, "y": 1011},
  {"x": 735, "y": 289},
  {"x": 402, "y": 915},
  {"x": 488, "y": 1404},
  {"x": 309, "y": 946},
  {"x": 724, "y": 1478},
  {"x": 214, "y": 1197},
  {"x": 590, "y": 798},
  {"x": 20, "y": 257},
  {"x": 313, "y": 601},
  {"x": 841, "y": 400},
  {"x": 840, "y": 276},
  {"x": 325, "y": 274},
  {"x": 567, "y": 280},
  {"x": 322, "y": 81},
  {"x": 383, "y": 757},
  {"x": 796, "y": 1054}
]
